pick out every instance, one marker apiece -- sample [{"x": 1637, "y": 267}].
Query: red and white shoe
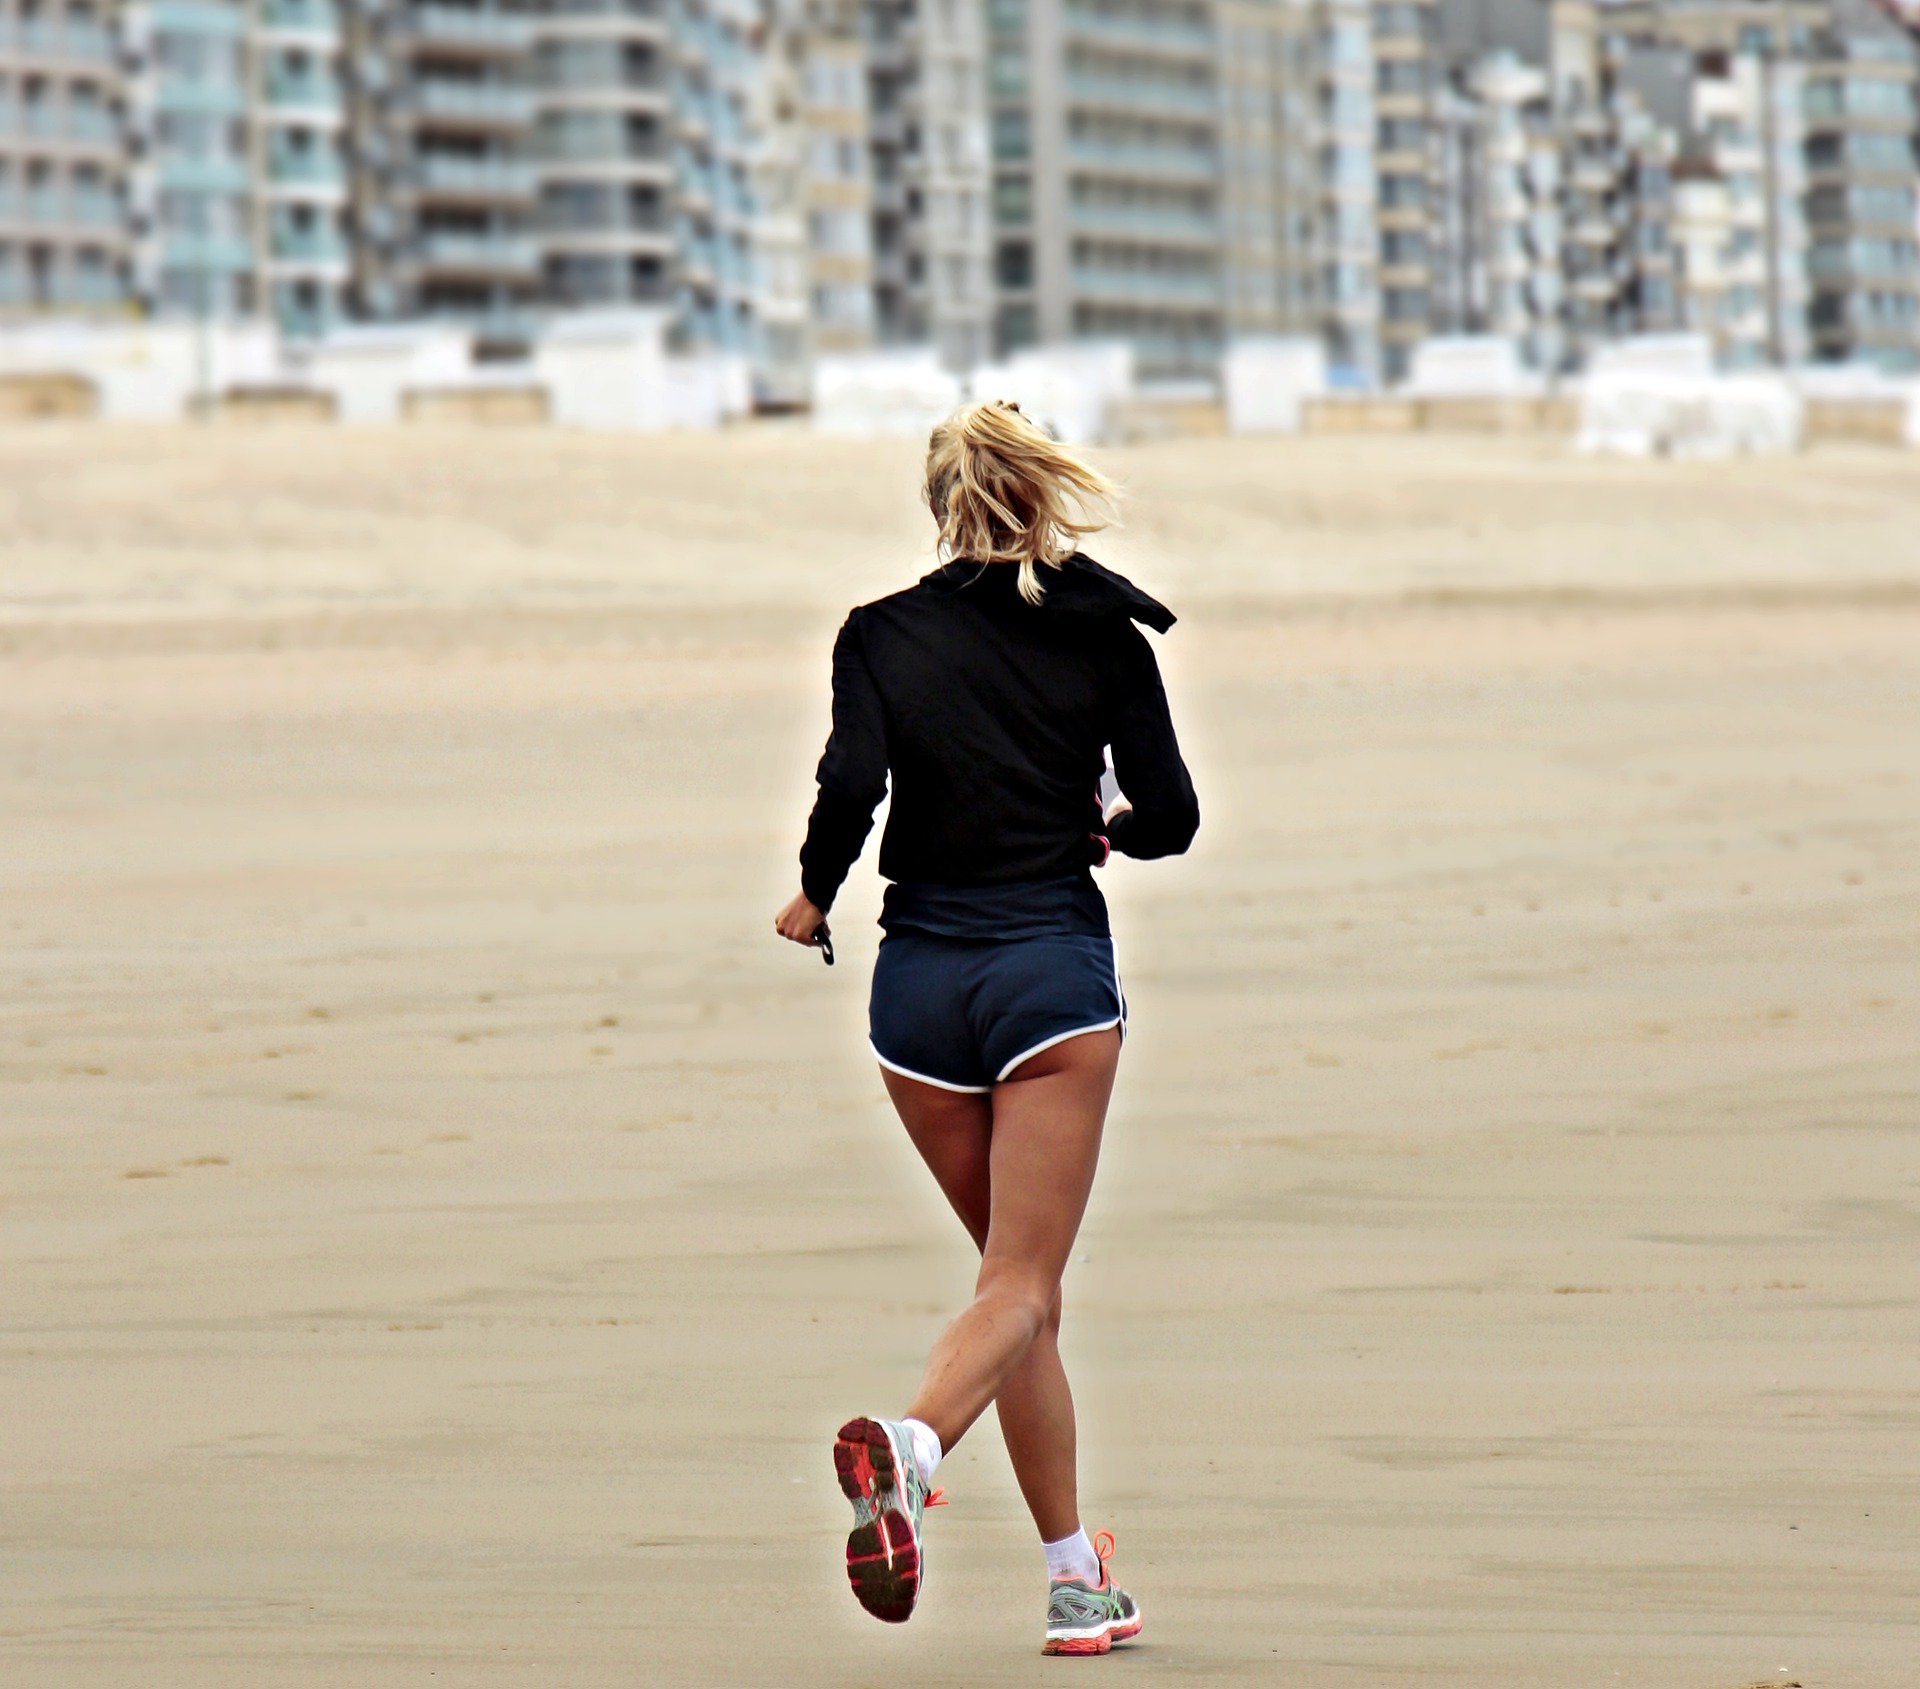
[
  {"x": 1085, "y": 1619},
  {"x": 877, "y": 1471}
]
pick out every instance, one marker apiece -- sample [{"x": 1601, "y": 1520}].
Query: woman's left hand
[{"x": 799, "y": 921}]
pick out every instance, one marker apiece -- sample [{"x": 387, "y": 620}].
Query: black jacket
[{"x": 992, "y": 714}]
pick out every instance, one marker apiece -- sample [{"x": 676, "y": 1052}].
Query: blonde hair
[{"x": 1004, "y": 491}]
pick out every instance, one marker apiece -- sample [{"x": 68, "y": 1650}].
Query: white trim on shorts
[
  {"x": 1119, "y": 1020},
  {"x": 1048, "y": 1044},
  {"x": 927, "y": 1078}
]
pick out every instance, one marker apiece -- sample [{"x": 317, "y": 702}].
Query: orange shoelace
[{"x": 1103, "y": 1545}]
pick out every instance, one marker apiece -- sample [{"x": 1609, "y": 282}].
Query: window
[
  {"x": 1012, "y": 199},
  {"x": 1013, "y": 266},
  {"x": 1012, "y": 134},
  {"x": 1400, "y": 76},
  {"x": 1403, "y": 246},
  {"x": 1406, "y": 304}
]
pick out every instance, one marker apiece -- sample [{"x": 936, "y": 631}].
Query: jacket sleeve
[
  {"x": 1165, "y": 814},
  {"x": 852, "y": 774}
]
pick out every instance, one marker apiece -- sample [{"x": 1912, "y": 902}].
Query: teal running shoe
[
  {"x": 874, "y": 1459},
  {"x": 1082, "y": 1619}
]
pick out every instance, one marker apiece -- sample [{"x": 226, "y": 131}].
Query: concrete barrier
[
  {"x": 1875, "y": 422},
  {"x": 47, "y": 396},
  {"x": 1267, "y": 380},
  {"x": 476, "y": 406},
  {"x": 369, "y": 369},
  {"x": 1360, "y": 413},
  {"x": 1144, "y": 417},
  {"x": 273, "y": 406},
  {"x": 1462, "y": 413}
]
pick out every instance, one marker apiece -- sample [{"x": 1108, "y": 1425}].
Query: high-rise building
[
  {"x": 1106, "y": 183},
  {"x": 603, "y": 161},
  {"x": 932, "y": 177},
  {"x": 1804, "y": 110},
  {"x": 63, "y": 243},
  {"x": 1406, "y": 86},
  {"x": 1502, "y": 223},
  {"x": 1863, "y": 268},
  {"x": 236, "y": 175},
  {"x": 443, "y": 119}
]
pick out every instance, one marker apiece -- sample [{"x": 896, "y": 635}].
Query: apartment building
[
  {"x": 932, "y": 176},
  {"x": 1406, "y": 86},
  {"x": 841, "y": 190},
  {"x": 1268, "y": 197},
  {"x": 63, "y": 243},
  {"x": 443, "y": 115},
  {"x": 1729, "y": 212},
  {"x": 1862, "y": 264},
  {"x": 1501, "y": 238},
  {"x": 602, "y": 168},
  {"x": 715, "y": 63},
  {"x": 235, "y": 119},
  {"x": 1107, "y": 166}
]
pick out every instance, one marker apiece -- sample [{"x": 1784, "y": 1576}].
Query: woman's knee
[{"x": 1024, "y": 1295}]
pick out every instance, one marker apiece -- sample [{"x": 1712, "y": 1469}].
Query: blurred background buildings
[{"x": 785, "y": 179}]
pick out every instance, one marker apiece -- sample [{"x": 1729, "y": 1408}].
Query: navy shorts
[{"x": 963, "y": 1013}]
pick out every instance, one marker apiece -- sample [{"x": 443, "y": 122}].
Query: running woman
[{"x": 990, "y": 692}]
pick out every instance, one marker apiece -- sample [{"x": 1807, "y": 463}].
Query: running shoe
[
  {"x": 1082, "y": 1619},
  {"x": 874, "y": 1458}
]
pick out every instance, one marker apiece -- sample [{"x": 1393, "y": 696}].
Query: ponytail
[{"x": 1003, "y": 491}]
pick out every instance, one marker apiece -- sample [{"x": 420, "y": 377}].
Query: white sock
[
  {"x": 926, "y": 1447},
  {"x": 1073, "y": 1557}
]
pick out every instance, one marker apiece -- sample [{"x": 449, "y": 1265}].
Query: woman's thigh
[
  {"x": 953, "y": 1131},
  {"x": 1043, "y": 1148}
]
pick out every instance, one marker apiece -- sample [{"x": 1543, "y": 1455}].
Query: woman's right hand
[{"x": 800, "y": 921}]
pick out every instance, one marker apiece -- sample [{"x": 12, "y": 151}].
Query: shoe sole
[
  {"x": 1122, "y": 1632},
  {"x": 883, "y": 1556}
]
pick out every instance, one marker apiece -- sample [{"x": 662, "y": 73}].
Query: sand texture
[{"x": 442, "y": 1226}]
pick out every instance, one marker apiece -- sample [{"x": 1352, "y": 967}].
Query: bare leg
[
  {"x": 953, "y": 1133},
  {"x": 1040, "y": 1152}
]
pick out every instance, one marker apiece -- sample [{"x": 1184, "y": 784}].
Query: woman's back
[{"x": 993, "y": 715}]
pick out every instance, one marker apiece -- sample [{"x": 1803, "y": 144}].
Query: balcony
[
  {"x": 78, "y": 40},
  {"x": 180, "y": 251},
  {"x": 590, "y": 20},
  {"x": 319, "y": 247},
  {"x": 569, "y": 156},
  {"x": 306, "y": 170},
  {"x": 1144, "y": 94},
  {"x": 85, "y": 126},
  {"x": 1199, "y": 226},
  {"x": 313, "y": 20},
  {"x": 206, "y": 175},
  {"x": 1166, "y": 35},
  {"x": 610, "y": 78},
  {"x": 476, "y": 105},
  {"x": 618, "y": 230},
  {"x": 444, "y": 176},
  {"x": 465, "y": 29},
  {"x": 489, "y": 253},
  {"x": 1140, "y": 159},
  {"x": 201, "y": 96},
  {"x": 1171, "y": 286},
  {"x": 304, "y": 93}
]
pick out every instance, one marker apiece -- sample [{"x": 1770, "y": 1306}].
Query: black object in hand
[{"x": 824, "y": 939}]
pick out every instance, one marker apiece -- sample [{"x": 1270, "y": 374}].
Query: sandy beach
[{"x": 442, "y": 1225}]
